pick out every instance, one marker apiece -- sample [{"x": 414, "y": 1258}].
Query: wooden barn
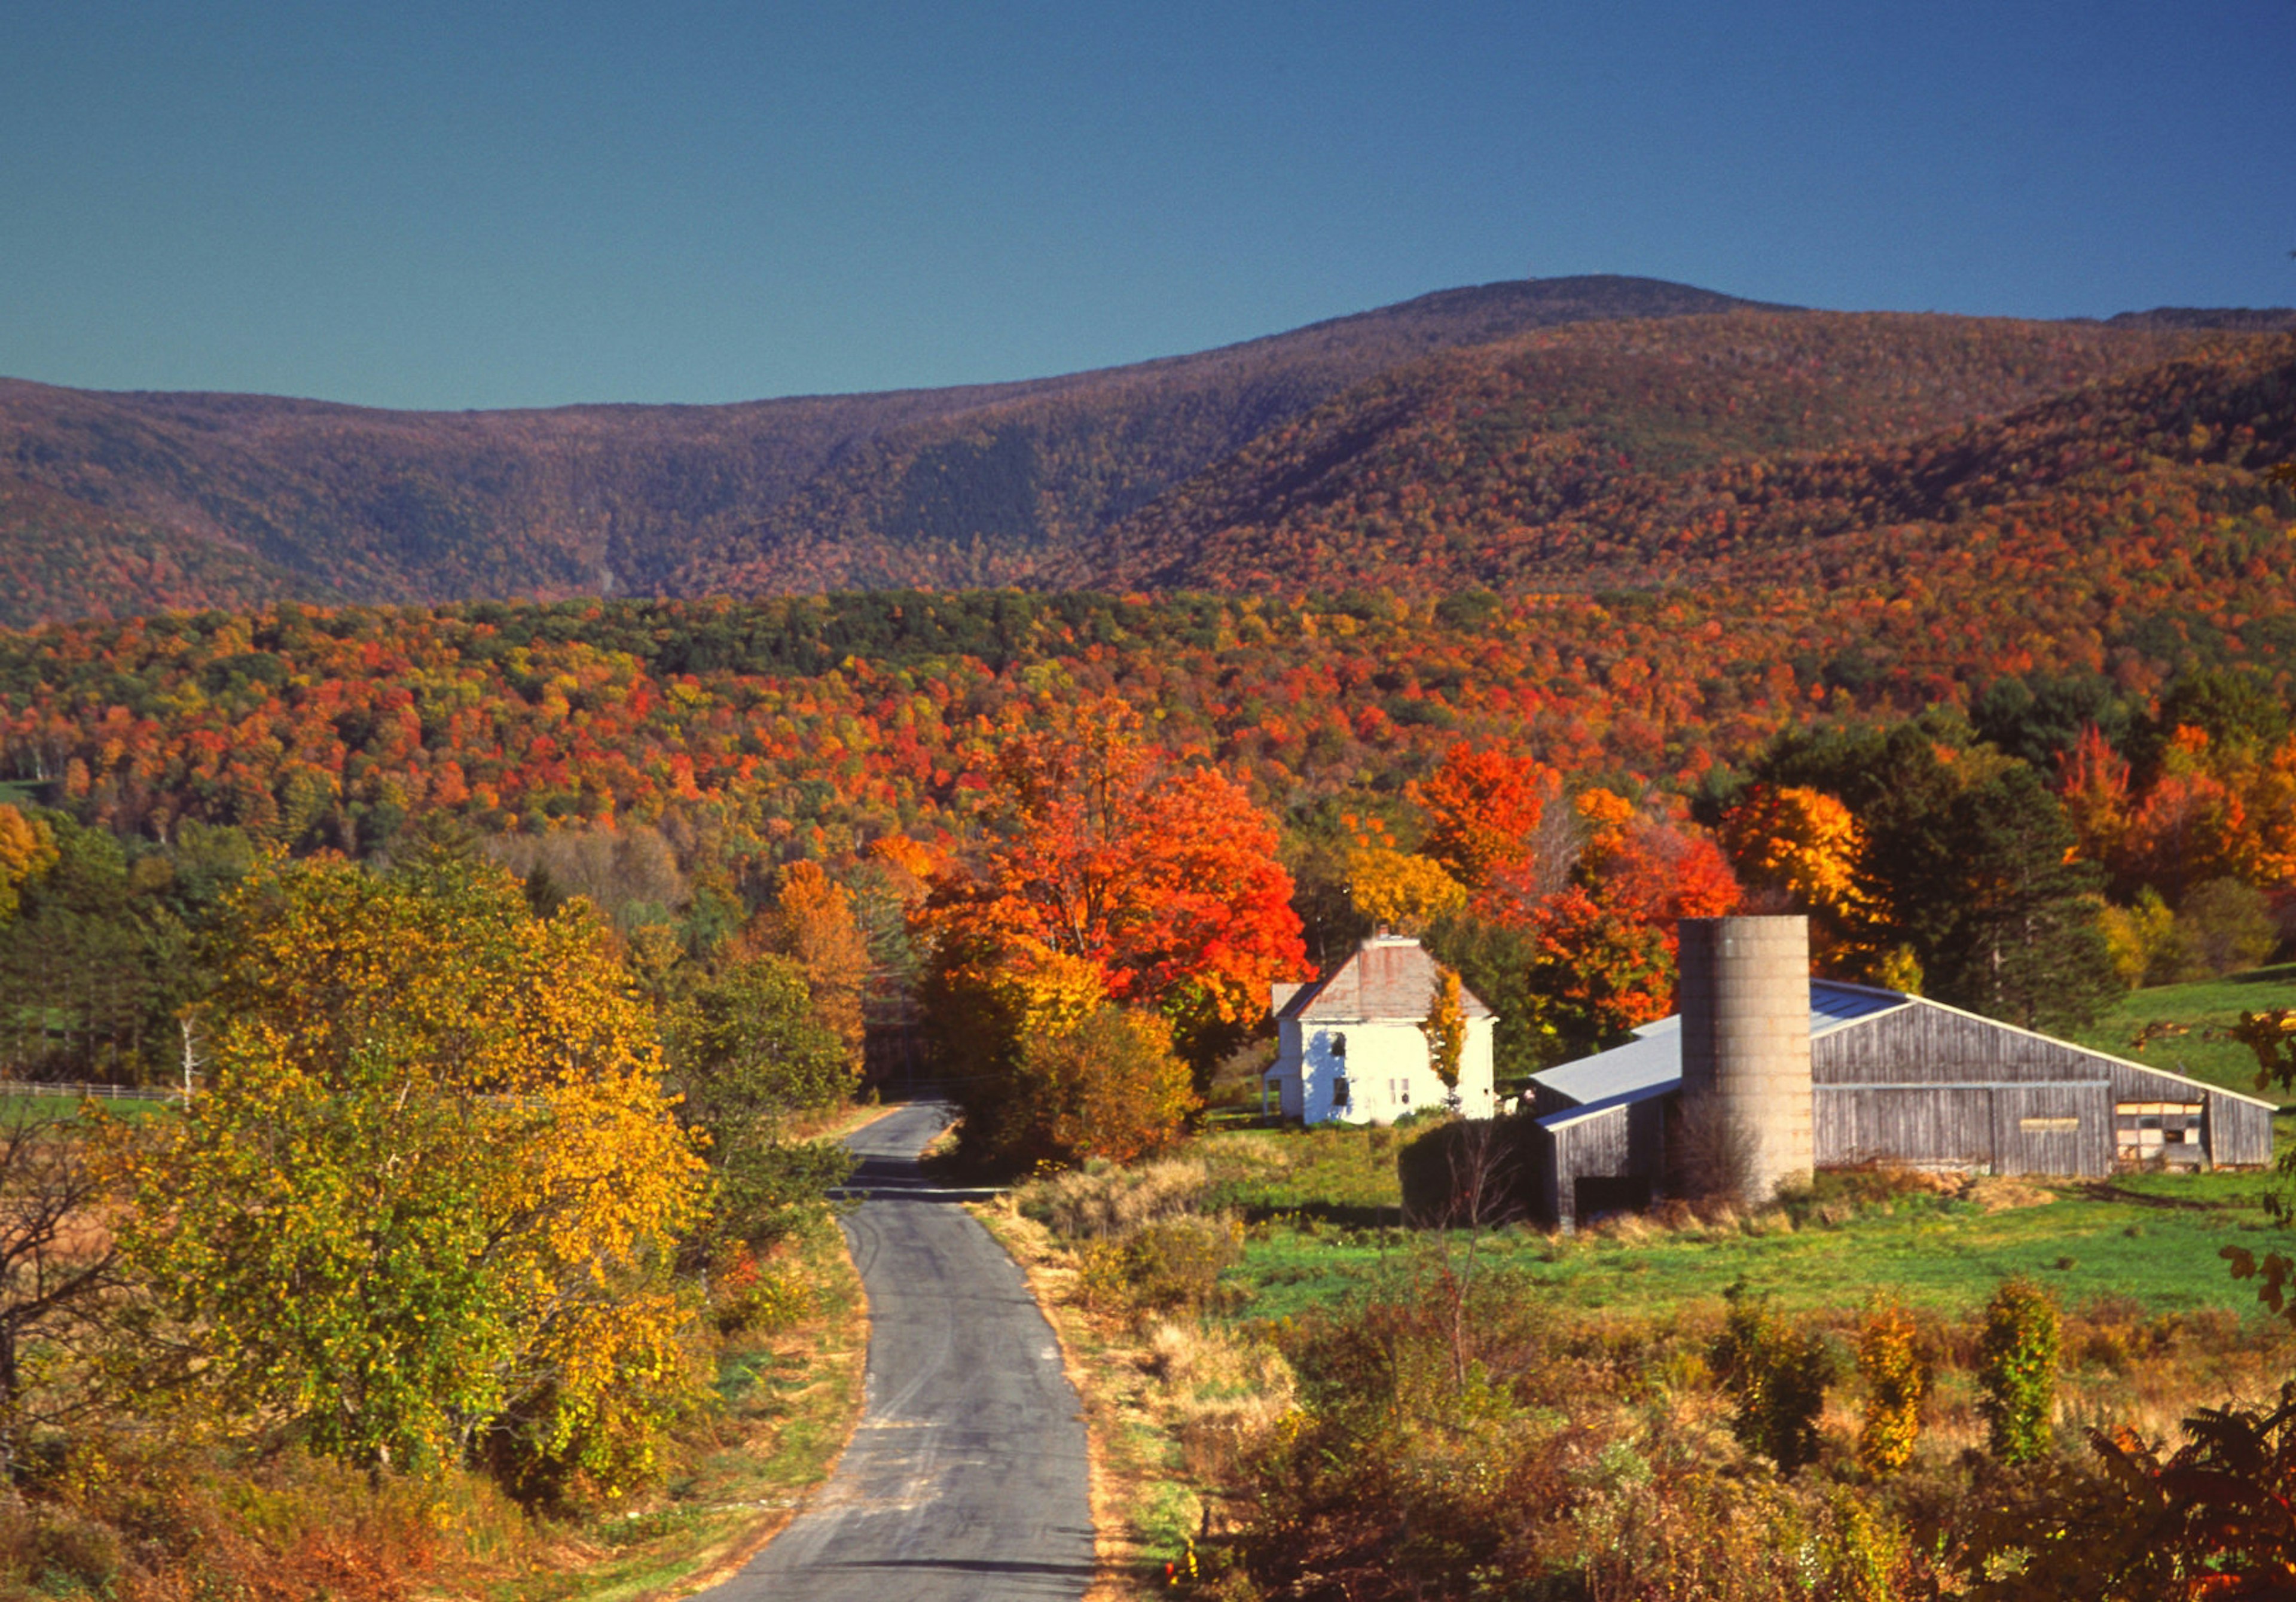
[{"x": 1890, "y": 1078}]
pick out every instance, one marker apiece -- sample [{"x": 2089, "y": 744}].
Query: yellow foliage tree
[
  {"x": 1800, "y": 841},
  {"x": 1054, "y": 1079},
  {"x": 1804, "y": 846},
  {"x": 1107, "y": 1085},
  {"x": 2135, "y": 936},
  {"x": 28, "y": 849},
  {"x": 1445, "y": 1028},
  {"x": 812, "y": 923},
  {"x": 426, "y": 1209},
  {"x": 1401, "y": 889}
]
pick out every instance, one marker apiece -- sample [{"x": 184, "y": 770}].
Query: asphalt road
[{"x": 966, "y": 1477}]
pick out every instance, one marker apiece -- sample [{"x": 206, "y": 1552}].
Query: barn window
[
  {"x": 2157, "y": 1131},
  {"x": 1339, "y": 1092},
  {"x": 1338, "y": 1045}
]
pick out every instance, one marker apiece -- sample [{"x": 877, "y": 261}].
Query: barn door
[{"x": 2052, "y": 1129}]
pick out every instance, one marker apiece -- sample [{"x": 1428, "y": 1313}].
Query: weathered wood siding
[
  {"x": 1903, "y": 1124},
  {"x": 1626, "y": 1140},
  {"x": 1951, "y": 1055},
  {"x": 2063, "y": 1127},
  {"x": 2239, "y": 1133}
]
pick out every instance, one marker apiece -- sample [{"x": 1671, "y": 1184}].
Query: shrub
[
  {"x": 1164, "y": 1267},
  {"x": 1110, "y": 1085},
  {"x": 1421, "y": 1461},
  {"x": 2017, "y": 1369},
  {"x": 1466, "y": 1172},
  {"x": 750, "y": 1295},
  {"x": 1776, "y": 1376},
  {"x": 1889, "y": 1361},
  {"x": 1103, "y": 1199}
]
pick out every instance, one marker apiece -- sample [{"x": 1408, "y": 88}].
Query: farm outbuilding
[{"x": 1747, "y": 1079}]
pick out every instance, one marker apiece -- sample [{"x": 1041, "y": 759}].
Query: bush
[
  {"x": 1109, "y": 1086},
  {"x": 2224, "y": 925},
  {"x": 1102, "y": 1199},
  {"x": 1889, "y": 1361},
  {"x": 2017, "y": 1369},
  {"x": 1776, "y": 1376},
  {"x": 132, "y": 1517},
  {"x": 1164, "y": 1267},
  {"x": 750, "y": 1296},
  {"x": 1423, "y": 1460},
  {"x": 1466, "y": 1172}
]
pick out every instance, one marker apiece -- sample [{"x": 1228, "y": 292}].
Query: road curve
[{"x": 966, "y": 1478}]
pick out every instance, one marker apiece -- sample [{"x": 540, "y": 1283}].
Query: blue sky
[{"x": 483, "y": 204}]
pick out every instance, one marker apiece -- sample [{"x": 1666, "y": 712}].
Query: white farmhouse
[{"x": 1350, "y": 1046}]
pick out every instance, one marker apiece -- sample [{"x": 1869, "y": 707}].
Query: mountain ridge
[{"x": 134, "y": 501}]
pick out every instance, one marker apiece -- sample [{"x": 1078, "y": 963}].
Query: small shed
[{"x": 1349, "y": 1048}]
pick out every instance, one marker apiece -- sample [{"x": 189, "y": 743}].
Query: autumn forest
[{"x": 681, "y": 775}]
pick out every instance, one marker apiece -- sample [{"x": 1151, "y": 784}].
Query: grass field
[
  {"x": 1321, "y": 1204},
  {"x": 2201, "y": 1010},
  {"x": 1939, "y": 1252}
]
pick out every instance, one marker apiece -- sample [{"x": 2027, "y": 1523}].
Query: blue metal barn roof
[{"x": 1653, "y": 1058}]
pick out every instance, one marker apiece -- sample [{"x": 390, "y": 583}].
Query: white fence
[{"x": 76, "y": 1091}]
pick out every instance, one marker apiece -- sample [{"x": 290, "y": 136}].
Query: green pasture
[
  {"x": 1943, "y": 1254},
  {"x": 1321, "y": 1208},
  {"x": 2201, "y": 1011}
]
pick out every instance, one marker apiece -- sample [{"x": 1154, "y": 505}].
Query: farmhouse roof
[{"x": 1389, "y": 978}]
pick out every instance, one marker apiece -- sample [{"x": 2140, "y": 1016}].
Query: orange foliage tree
[
  {"x": 812, "y": 923},
  {"x": 1802, "y": 846},
  {"x": 1482, "y": 808},
  {"x": 1605, "y": 945},
  {"x": 1160, "y": 876}
]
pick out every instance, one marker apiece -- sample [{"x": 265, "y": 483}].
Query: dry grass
[
  {"x": 834, "y": 1123},
  {"x": 1217, "y": 1394},
  {"x": 1095, "y": 1203},
  {"x": 1990, "y": 1194}
]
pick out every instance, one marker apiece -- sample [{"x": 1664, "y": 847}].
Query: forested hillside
[
  {"x": 125, "y": 503},
  {"x": 1536, "y": 435},
  {"x": 1633, "y": 454}
]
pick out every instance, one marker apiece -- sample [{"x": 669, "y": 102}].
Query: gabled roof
[
  {"x": 1625, "y": 1098},
  {"x": 1389, "y": 978},
  {"x": 1652, "y": 1061},
  {"x": 1653, "y": 1058}
]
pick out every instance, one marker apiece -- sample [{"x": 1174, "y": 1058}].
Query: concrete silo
[{"x": 1746, "y": 1118}]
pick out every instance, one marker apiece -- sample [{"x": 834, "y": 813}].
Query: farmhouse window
[
  {"x": 1339, "y": 1092},
  {"x": 1338, "y": 1045}
]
